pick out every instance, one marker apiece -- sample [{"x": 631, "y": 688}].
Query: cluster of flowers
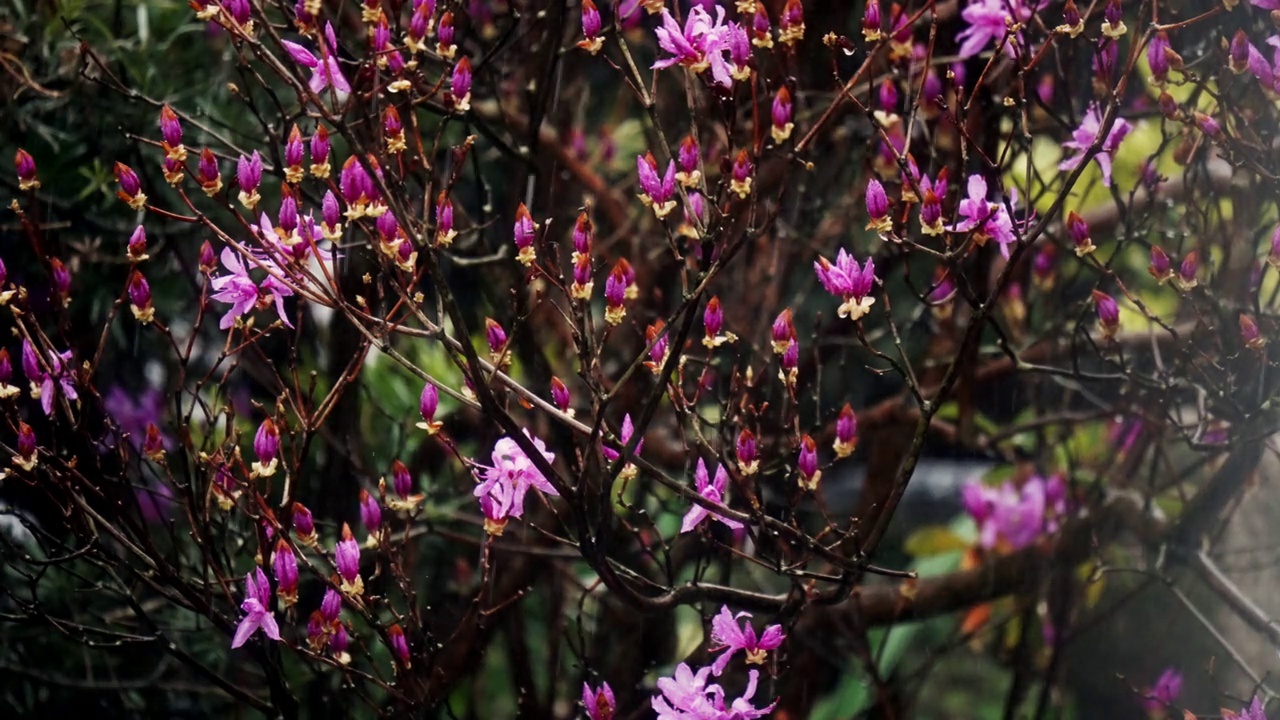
[
  {"x": 1012, "y": 517},
  {"x": 686, "y": 694}
]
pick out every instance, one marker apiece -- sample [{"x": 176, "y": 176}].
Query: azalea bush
[{"x": 698, "y": 360}]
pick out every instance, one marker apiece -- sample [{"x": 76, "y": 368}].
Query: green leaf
[{"x": 934, "y": 540}]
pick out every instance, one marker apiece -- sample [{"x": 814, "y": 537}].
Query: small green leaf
[{"x": 934, "y": 540}]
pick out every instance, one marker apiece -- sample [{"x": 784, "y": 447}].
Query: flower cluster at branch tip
[
  {"x": 45, "y": 386},
  {"x": 257, "y": 616},
  {"x": 1011, "y": 517},
  {"x": 706, "y": 43},
  {"x": 985, "y": 219},
  {"x": 730, "y": 638},
  {"x": 599, "y": 703},
  {"x": 997, "y": 21},
  {"x": 687, "y": 696},
  {"x": 852, "y": 284},
  {"x": 1083, "y": 138},
  {"x": 713, "y": 490},
  {"x": 502, "y": 486},
  {"x": 243, "y": 294}
]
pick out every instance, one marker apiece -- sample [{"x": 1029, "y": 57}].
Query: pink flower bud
[
  {"x": 170, "y": 129},
  {"x": 399, "y": 645},
  {"x": 137, "y": 250},
  {"x": 1207, "y": 124},
  {"x": 688, "y": 156},
  {"x": 445, "y": 36},
  {"x": 791, "y": 23},
  {"x": 599, "y": 704},
  {"x": 331, "y": 605},
  {"x": 1249, "y": 334},
  {"x": 130, "y": 187},
  {"x": 285, "y": 565},
  {"x": 789, "y": 364},
  {"x": 782, "y": 125},
  {"x": 1072, "y": 22},
  {"x": 1108, "y": 314},
  {"x": 26, "y": 168},
  {"x": 583, "y": 234},
  {"x": 444, "y": 220},
  {"x": 590, "y": 28},
  {"x": 140, "y": 298},
  {"x": 741, "y": 175},
  {"x": 581, "y": 289},
  {"x": 428, "y": 402},
  {"x": 1160, "y": 268},
  {"x": 207, "y": 173},
  {"x": 1158, "y": 58},
  {"x": 872, "y": 21},
  {"x": 782, "y": 332},
  {"x": 320, "y": 153},
  {"x": 1187, "y": 272},
  {"x": 657, "y": 341},
  {"x": 208, "y": 261},
  {"x": 560, "y": 395},
  {"x": 1079, "y": 232},
  {"x": 761, "y": 29},
  {"x": 338, "y": 643},
  {"x": 303, "y": 524},
  {"x": 846, "y": 432},
  {"x": 745, "y": 447},
  {"x": 60, "y": 277},
  {"x": 657, "y": 192},
  {"x": 26, "y": 457},
  {"x": 495, "y": 336},
  {"x": 808, "y": 464},
  {"x": 460, "y": 85},
  {"x": 1113, "y": 20},
  {"x": 346, "y": 557},
  {"x": 615, "y": 292},
  {"x": 525, "y": 231},
  {"x": 370, "y": 512},
  {"x": 713, "y": 317},
  {"x": 887, "y": 97},
  {"x": 249, "y": 172},
  {"x": 266, "y": 445}
]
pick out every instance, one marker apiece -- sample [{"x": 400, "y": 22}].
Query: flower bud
[
  {"x": 1160, "y": 268},
  {"x": 1273, "y": 256},
  {"x": 1079, "y": 232},
  {"x": 688, "y": 156},
  {"x": 615, "y": 289},
  {"x": 427, "y": 405},
  {"x": 1207, "y": 124},
  {"x": 285, "y": 564},
  {"x": 1113, "y": 20},
  {"x": 657, "y": 341},
  {"x": 525, "y": 232},
  {"x": 444, "y": 37},
  {"x": 130, "y": 187},
  {"x": 320, "y": 153},
  {"x": 583, "y": 234},
  {"x": 266, "y": 444},
  {"x": 591, "y": 42},
  {"x": 137, "y": 250},
  {"x": 26, "y": 457},
  {"x": 761, "y": 29},
  {"x": 249, "y": 177},
  {"x": 153, "y": 443},
  {"x": 7, "y": 390},
  {"x": 26, "y": 168},
  {"x": 1108, "y": 314},
  {"x": 582, "y": 284},
  {"x": 713, "y": 321},
  {"x": 140, "y": 298},
  {"x": 931, "y": 213},
  {"x": 208, "y": 261},
  {"x": 171, "y": 131},
  {"x": 338, "y": 643},
  {"x": 791, "y": 23},
  {"x": 560, "y": 396},
  {"x": 1186, "y": 278},
  {"x": 60, "y": 278},
  {"x": 207, "y": 173},
  {"x": 496, "y": 337},
  {"x": 1072, "y": 23},
  {"x": 346, "y": 557},
  {"x": 1238, "y": 53},
  {"x": 460, "y": 86},
  {"x": 444, "y": 220},
  {"x": 742, "y": 167},
  {"x": 846, "y": 432},
  {"x": 782, "y": 125},
  {"x": 745, "y": 448},
  {"x": 330, "y": 605},
  {"x": 399, "y": 645},
  {"x": 808, "y": 464},
  {"x": 789, "y": 364},
  {"x": 872, "y": 22},
  {"x": 371, "y": 516},
  {"x": 304, "y": 526},
  {"x": 782, "y": 332},
  {"x": 878, "y": 208}
]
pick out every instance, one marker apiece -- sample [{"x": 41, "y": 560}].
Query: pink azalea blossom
[
  {"x": 243, "y": 294},
  {"x": 987, "y": 220},
  {"x": 1082, "y": 138},
  {"x": 1165, "y": 692},
  {"x": 325, "y": 71},
  {"x": 700, "y": 45},
  {"x": 503, "y": 485},
  {"x": 988, "y": 22},
  {"x": 257, "y": 596},
  {"x": 686, "y": 696},
  {"x": 730, "y": 637},
  {"x": 713, "y": 491},
  {"x": 1011, "y": 518},
  {"x": 849, "y": 282}
]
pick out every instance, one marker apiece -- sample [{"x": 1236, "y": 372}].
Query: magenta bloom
[
  {"x": 1011, "y": 518},
  {"x": 989, "y": 21},
  {"x": 257, "y": 596},
  {"x": 987, "y": 220},
  {"x": 599, "y": 703},
  {"x": 1256, "y": 711},
  {"x": 849, "y": 282},
  {"x": 346, "y": 557},
  {"x": 1165, "y": 692},
  {"x": 658, "y": 191},
  {"x": 325, "y": 71},
  {"x": 503, "y": 485},
  {"x": 370, "y": 512},
  {"x": 730, "y": 637},
  {"x": 687, "y": 696},
  {"x": 700, "y": 45},
  {"x": 713, "y": 490},
  {"x": 1082, "y": 138},
  {"x": 285, "y": 564},
  {"x": 243, "y": 294}
]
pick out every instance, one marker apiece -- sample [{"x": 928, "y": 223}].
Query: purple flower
[
  {"x": 238, "y": 290},
  {"x": 987, "y": 220},
  {"x": 1083, "y": 137},
  {"x": 684, "y": 695},
  {"x": 846, "y": 431},
  {"x": 658, "y": 191},
  {"x": 730, "y": 637},
  {"x": 285, "y": 564},
  {"x": 370, "y": 515},
  {"x": 399, "y": 644},
  {"x": 505, "y": 483},
  {"x": 700, "y": 45},
  {"x": 26, "y": 168},
  {"x": 325, "y": 71},
  {"x": 989, "y": 21},
  {"x": 713, "y": 490},
  {"x": 460, "y": 85},
  {"x": 745, "y": 449},
  {"x": 46, "y": 385},
  {"x": 807, "y": 462},
  {"x": 878, "y": 208},
  {"x": 257, "y": 596},
  {"x": 1011, "y": 518},
  {"x": 1256, "y": 711},
  {"x": 599, "y": 704},
  {"x": 1165, "y": 692},
  {"x": 346, "y": 557},
  {"x": 524, "y": 231},
  {"x": 849, "y": 282}
]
